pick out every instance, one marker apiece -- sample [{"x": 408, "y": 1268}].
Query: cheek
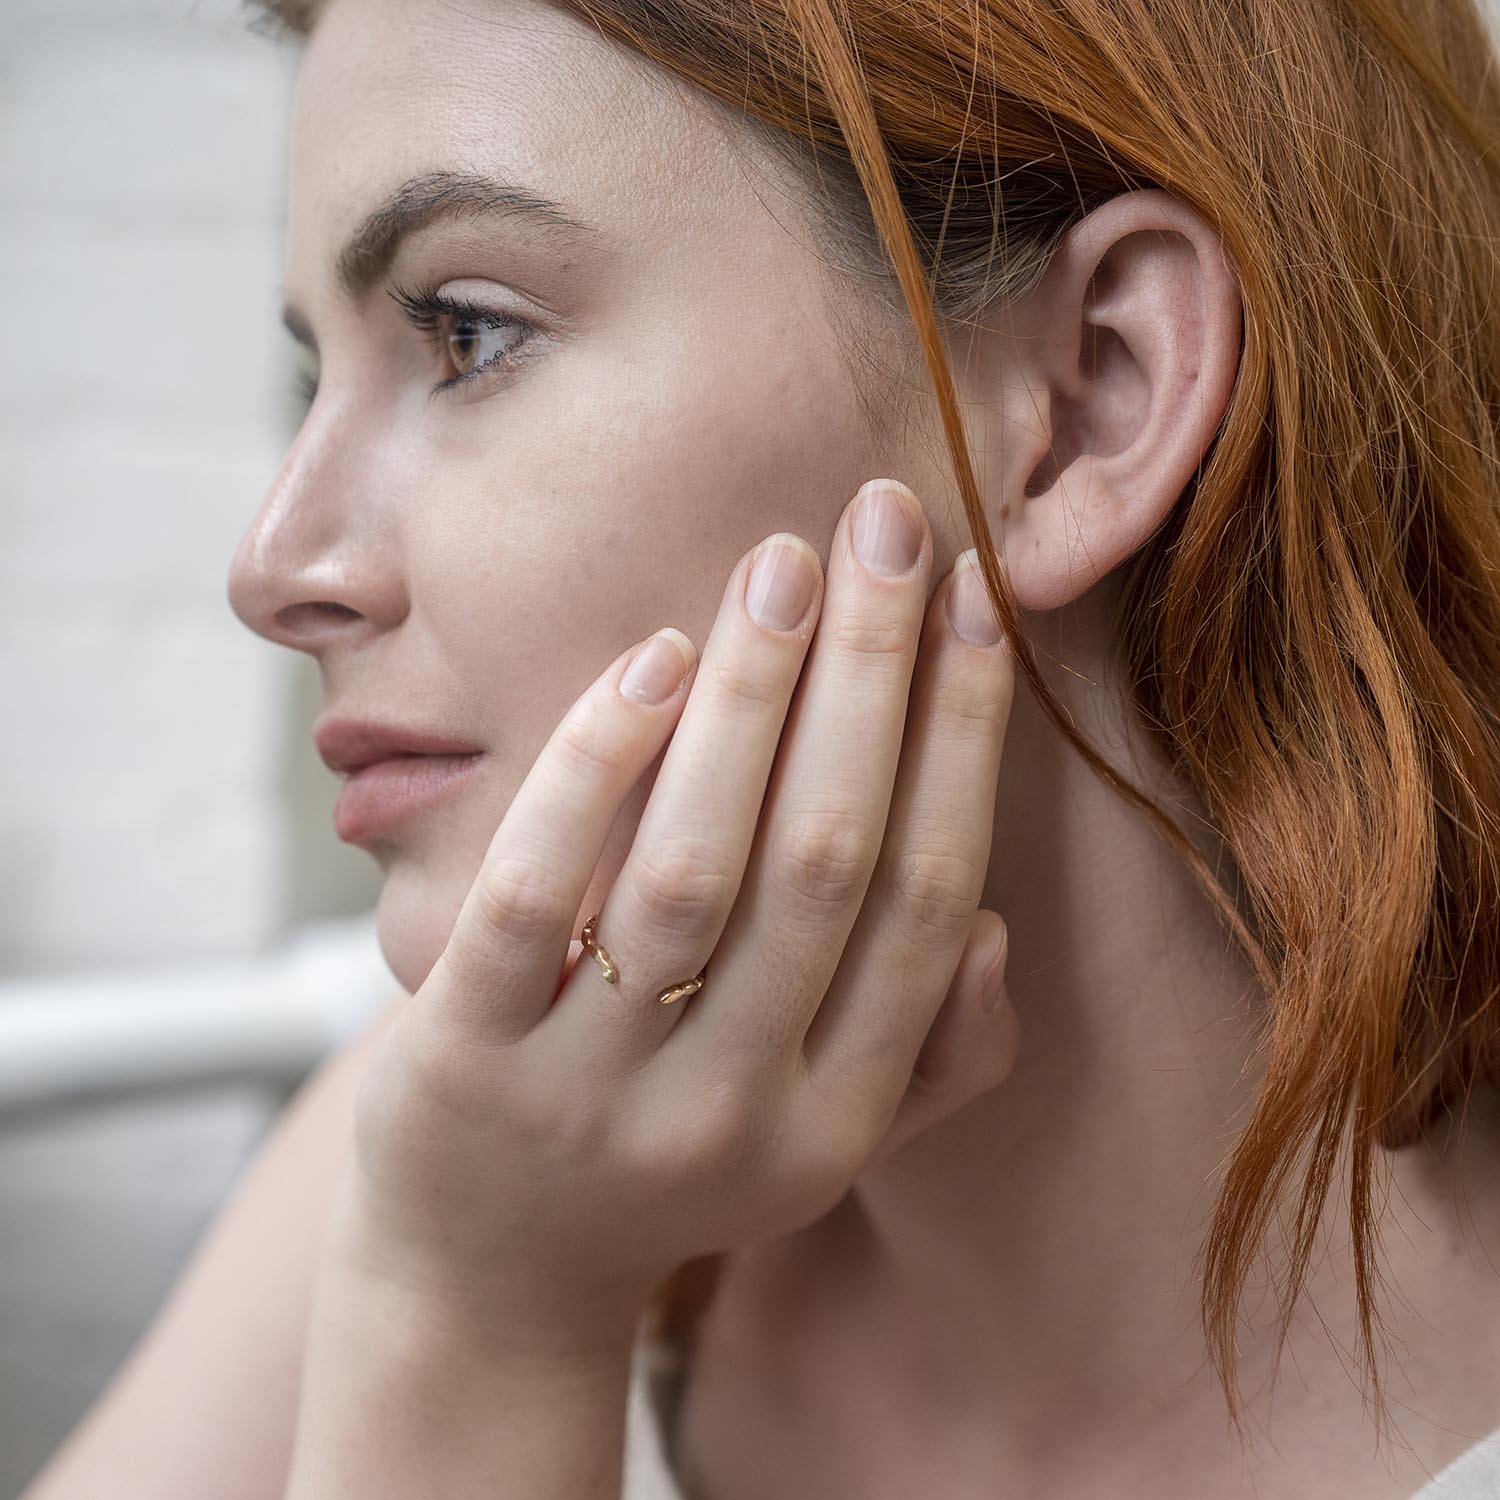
[
  {"x": 615, "y": 498},
  {"x": 692, "y": 456},
  {"x": 615, "y": 493}
]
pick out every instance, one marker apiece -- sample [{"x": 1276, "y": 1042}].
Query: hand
[{"x": 533, "y": 1138}]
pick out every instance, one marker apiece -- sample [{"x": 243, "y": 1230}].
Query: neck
[
  {"x": 1027, "y": 1269},
  {"x": 1039, "y": 1245}
]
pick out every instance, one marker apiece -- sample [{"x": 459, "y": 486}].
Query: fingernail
[
  {"x": 969, "y": 609},
  {"x": 993, "y": 984},
  {"x": 656, "y": 670},
  {"x": 782, "y": 581},
  {"x": 887, "y": 537}
]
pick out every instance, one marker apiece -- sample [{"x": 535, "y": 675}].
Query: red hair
[{"x": 1313, "y": 638}]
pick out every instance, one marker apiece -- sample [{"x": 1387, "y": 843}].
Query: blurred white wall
[
  {"x": 160, "y": 799},
  {"x": 159, "y": 795}
]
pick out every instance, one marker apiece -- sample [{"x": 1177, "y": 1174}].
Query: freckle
[{"x": 1005, "y": 510}]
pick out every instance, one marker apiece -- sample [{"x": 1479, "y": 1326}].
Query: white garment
[
  {"x": 647, "y": 1475},
  {"x": 1473, "y": 1475}
]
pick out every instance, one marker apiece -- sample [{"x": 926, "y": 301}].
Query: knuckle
[
  {"x": 837, "y": 1144},
  {"x": 714, "y": 1145},
  {"x": 682, "y": 881},
  {"x": 585, "y": 749},
  {"x": 708, "y": 1136},
  {"x": 738, "y": 681},
  {"x": 825, "y": 857},
  {"x": 977, "y": 708},
  {"x": 934, "y": 888},
  {"x": 517, "y": 898},
  {"x": 856, "y": 634}
]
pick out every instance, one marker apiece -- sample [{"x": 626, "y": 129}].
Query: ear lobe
[{"x": 1134, "y": 340}]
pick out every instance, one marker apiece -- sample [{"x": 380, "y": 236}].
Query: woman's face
[{"x": 477, "y": 517}]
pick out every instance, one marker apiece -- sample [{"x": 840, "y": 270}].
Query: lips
[
  {"x": 391, "y": 772},
  {"x": 349, "y": 745}
]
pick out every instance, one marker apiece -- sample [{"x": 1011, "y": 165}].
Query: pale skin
[{"x": 1004, "y": 1302}]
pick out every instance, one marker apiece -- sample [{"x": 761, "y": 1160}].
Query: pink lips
[
  {"x": 391, "y": 771},
  {"x": 375, "y": 798}
]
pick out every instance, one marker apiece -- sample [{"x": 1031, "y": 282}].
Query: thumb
[{"x": 968, "y": 1050}]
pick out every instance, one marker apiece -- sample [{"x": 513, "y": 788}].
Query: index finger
[{"x": 499, "y": 971}]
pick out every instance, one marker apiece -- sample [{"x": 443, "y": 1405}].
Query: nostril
[
  {"x": 301, "y": 619},
  {"x": 311, "y": 624}
]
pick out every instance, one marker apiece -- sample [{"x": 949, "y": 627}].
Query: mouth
[
  {"x": 390, "y": 771},
  {"x": 349, "y": 745},
  {"x": 380, "y": 794}
]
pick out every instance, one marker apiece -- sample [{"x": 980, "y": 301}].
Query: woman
[{"x": 605, "y": 294}]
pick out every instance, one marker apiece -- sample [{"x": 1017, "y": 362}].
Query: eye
[
  {"x": 468, "y": 338},
  {"x": 471, "y": 338}
]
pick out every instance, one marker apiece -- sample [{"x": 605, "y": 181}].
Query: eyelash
[{"x": 422, "y": 308}]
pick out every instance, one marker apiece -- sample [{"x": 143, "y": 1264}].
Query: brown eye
[
  {"x": 463, "y": 344},
  {"x": 474, "y": 343},
  {"x": 474, "y": 339}
]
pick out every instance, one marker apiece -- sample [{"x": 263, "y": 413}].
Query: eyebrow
[{"x": 428, "y": 199}]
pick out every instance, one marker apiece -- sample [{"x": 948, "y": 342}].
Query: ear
[{"x": 1111, "y": 378}]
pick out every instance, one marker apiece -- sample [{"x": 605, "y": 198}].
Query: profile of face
[
  {"x": 474, "y": 521},
  {"x": 578, "y": 350}
]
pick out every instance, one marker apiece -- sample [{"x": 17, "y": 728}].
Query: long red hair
[{"x": 1313, "y": 639}]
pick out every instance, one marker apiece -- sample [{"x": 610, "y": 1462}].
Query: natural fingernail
[
  {"x": 656, "y": 670},
  {"x": 969, "y": 609},
  {"x": 887, "y": 536},
  {"x": 993, "y": 984},
  {"x": 782, "y": 581}
]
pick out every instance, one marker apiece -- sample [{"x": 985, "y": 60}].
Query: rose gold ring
[{"x": 611, "y": 972}]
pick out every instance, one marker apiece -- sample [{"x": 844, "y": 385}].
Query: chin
[{"x": 414, "y": 920}]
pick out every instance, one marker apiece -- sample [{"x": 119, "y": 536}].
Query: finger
[
  {"x": 673, "y": 894},
  {"x": 826, "y": 807},
  {"x": 970, "y": 1050},
  {"x": 916, "y": 919},
  {"x": 500, "y": 968},
  {"x": 575, "y": 952}
]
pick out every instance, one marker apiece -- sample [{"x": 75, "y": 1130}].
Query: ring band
[{"x": 611, "y": 972}]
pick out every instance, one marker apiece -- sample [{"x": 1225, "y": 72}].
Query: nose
[{"x": 316, "y": 565}]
